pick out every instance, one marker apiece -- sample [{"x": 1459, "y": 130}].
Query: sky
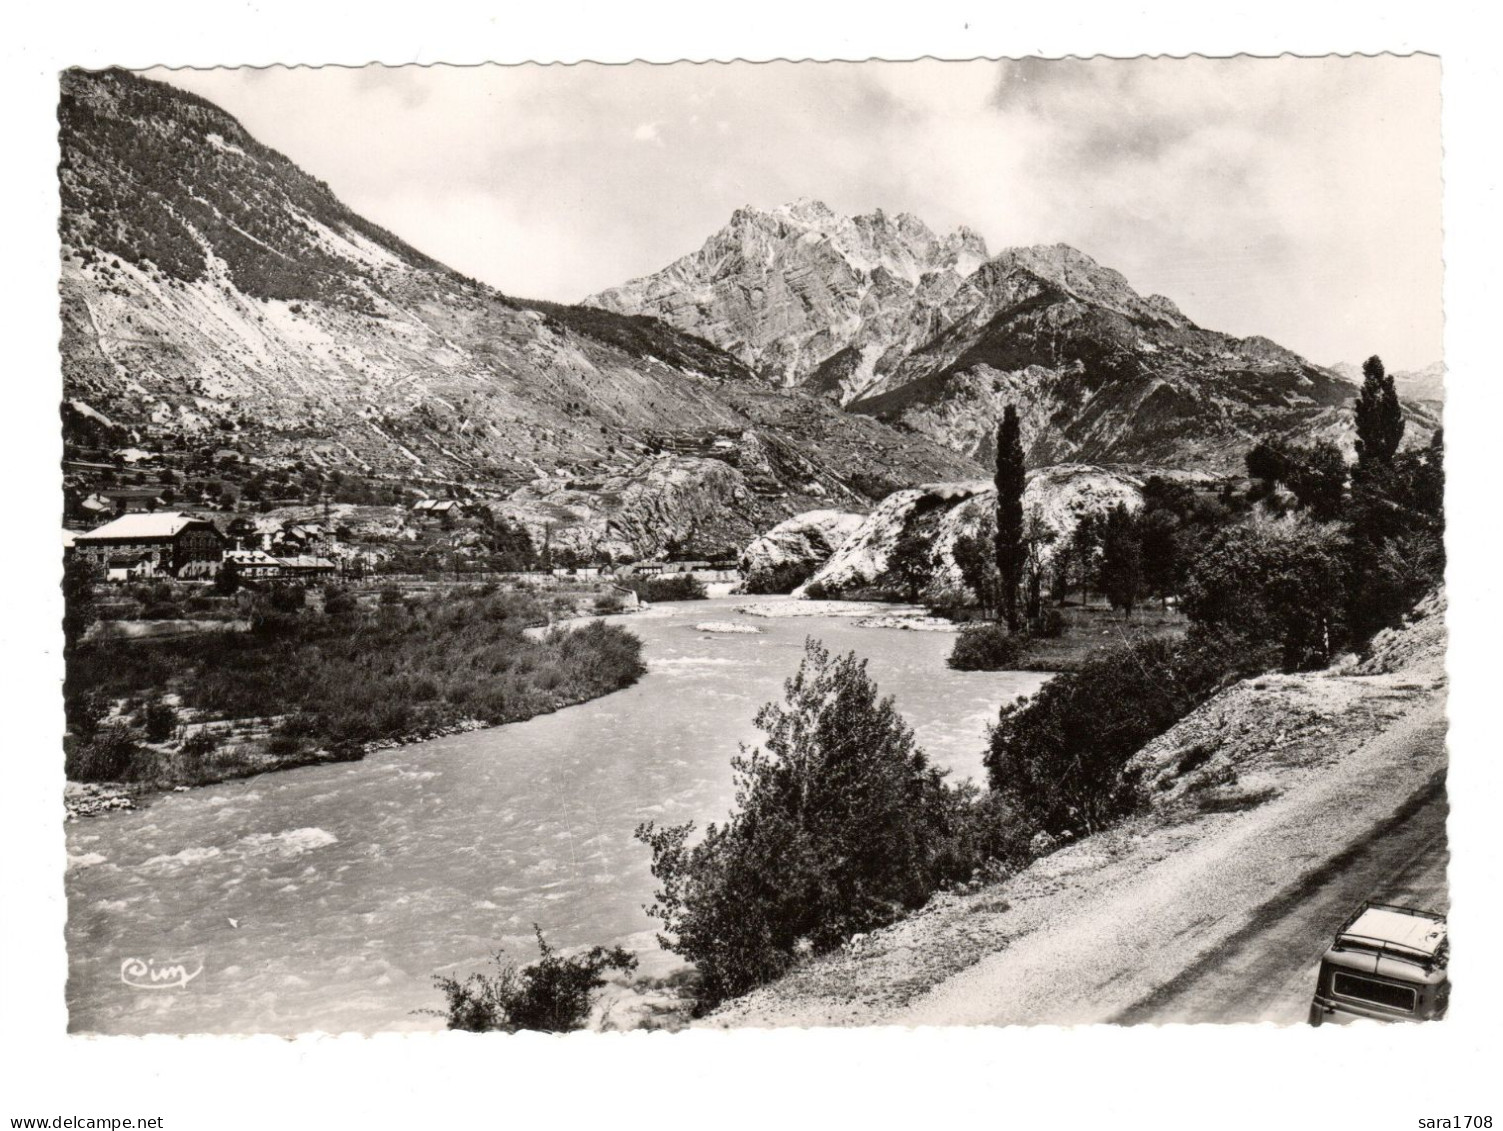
[{"x": 1299, "y": 199}]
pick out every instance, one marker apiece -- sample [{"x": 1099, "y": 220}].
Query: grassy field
[{"x": 1097, "y": 626}]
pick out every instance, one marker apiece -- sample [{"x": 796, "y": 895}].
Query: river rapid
[{"x": 325, "y": 899}]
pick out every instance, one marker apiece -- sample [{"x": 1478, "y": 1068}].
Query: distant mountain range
[
  {"x": 1427, "y": 384},
  {"x": 214, "y": 294},
  {"x": 928, "y": 334}
]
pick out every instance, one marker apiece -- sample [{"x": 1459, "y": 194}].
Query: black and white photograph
[{"x": 794, "y": 546}]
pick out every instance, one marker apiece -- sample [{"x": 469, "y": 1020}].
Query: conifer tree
[{"x": 1380, "y": 421}]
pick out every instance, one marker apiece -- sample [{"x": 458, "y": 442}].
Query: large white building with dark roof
[{"x": 151, "y": 543}]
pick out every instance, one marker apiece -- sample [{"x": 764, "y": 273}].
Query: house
[
  {"x": 258, "y": 565},
  {"x": 148, "y": 544},
  {"x": 133, "y": 500}
]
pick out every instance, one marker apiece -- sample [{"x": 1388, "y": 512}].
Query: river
[{"x": 324, "y": 899}]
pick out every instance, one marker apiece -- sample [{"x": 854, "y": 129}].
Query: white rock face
[
  {"x": 1057, "y": 496},
  {"x": 806, "y": 295},
  {"x": 789, "y": 553}
]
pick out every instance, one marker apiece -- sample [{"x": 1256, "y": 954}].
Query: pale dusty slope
[{"x": 1305, "y": 767}]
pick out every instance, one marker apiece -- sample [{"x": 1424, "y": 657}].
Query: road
[
  {"x": 1266, "y": 970},
  {"x": 1230, "y": 928}
]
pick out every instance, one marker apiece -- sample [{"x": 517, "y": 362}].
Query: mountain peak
[
  {"x": 1078, "y": 275},
  {"x": 824, "y": 283}
]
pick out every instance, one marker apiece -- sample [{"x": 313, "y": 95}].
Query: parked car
[{"x": 1386, "y": 963}]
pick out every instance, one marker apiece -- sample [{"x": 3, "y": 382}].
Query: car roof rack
[{"x": 1349, "y": 939}]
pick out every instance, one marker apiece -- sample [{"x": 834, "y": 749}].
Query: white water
[{"x": 326, "y": 898}]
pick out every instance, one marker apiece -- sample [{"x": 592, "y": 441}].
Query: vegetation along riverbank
[{"x": 321, "y": 675}]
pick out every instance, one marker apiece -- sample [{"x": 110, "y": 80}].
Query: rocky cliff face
[
  {"x": 215, "y": 295},
  {"x": 1103, "y": 374},
  {"x": 1056, "y": 497},
  {"x": 806, "y": 296},
  {"x": 789, "y": 554}
]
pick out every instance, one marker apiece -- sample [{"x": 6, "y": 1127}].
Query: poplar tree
[
  {"x": 1011, "y": 551},
  {"x": 1380, "y": 421}
]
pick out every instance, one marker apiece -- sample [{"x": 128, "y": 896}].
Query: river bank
[
  {"x": 312, "y": 686},
  {"x": 1292, "y": 786},
  {"x": 352, "y": 884}
]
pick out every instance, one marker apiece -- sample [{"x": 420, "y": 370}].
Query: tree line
[{"x": 841, "y": 823}]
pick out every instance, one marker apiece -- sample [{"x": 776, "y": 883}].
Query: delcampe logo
[{"x": 149, "y": 974}]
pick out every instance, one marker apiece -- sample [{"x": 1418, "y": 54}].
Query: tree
[
  {"x": 551, "y": 995},
  {"x": 840, "y": 825},
  {"x": 79, "y": 611},
  {"x": 1011, "y": 479},
  {"x": 975, "y": 556},
  {"x": 1278, "y": 583},
  {"x": 1380, "y": 420},
  {"x": 1038, "y": 536},
  {"x": 911, "y": 561},
  {"x": 1121, "y": 559},
  {"x": 1085, "y": 544},
  {"x": 1317, "y": 476},
  {"x": 1158, "y": 528}
]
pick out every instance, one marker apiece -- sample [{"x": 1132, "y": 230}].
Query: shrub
[
  {"x": 106, "y": 756},
  {"x": 678, "y": 587},
  {"x": 608, "y": 603},
  {"x": 987, "y": 648},
  {"x": 1060, "y": 756},
  {"x": 200, "y": 745},
  {"x": 551, "y": 995},
  {"x": 159, "y": 720},
  {"x": 841, "y": 826}
]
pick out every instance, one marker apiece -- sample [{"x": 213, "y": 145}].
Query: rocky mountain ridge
[
  {"x": 809, "y": 297},
  {"x": 1100, "y": 373}
]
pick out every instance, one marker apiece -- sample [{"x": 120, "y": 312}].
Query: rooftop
[
  {"x": 162, "y": 525},
  {"x": 1412, "y": 930}
]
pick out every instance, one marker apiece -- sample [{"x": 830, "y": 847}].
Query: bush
[
  {"x": 842, "y": 825},
  {"x": 987, "y": 648},
  {"x": 1060, "y": 756},
  {"x": 677, "y": 587},
  {"x": 106, "y": 756},
  {"x": 551, "y": 995},
  {"x": 159, "y": 721},
  {"x": 200, "y": 745},
  {"x": 609, "y": 603}
]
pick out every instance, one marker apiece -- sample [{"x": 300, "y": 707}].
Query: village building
[{"x": 144, "y": 545}]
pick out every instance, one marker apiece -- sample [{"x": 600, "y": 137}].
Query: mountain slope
[
  {"x": 898, "y": 325},
  {"x": 214, "y": 294},
  {"x": 1102, "y": 374},
  {"x": 806, "y": 296}
]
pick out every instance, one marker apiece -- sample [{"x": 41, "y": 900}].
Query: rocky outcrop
[
  {"x": 1233, "y": 750},
  {"x": 681, "y": 505},
  {"x": 804, "y": 295},
  {"x": 789, "y": 554},
  {"x": 1055, "y": 497}
]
